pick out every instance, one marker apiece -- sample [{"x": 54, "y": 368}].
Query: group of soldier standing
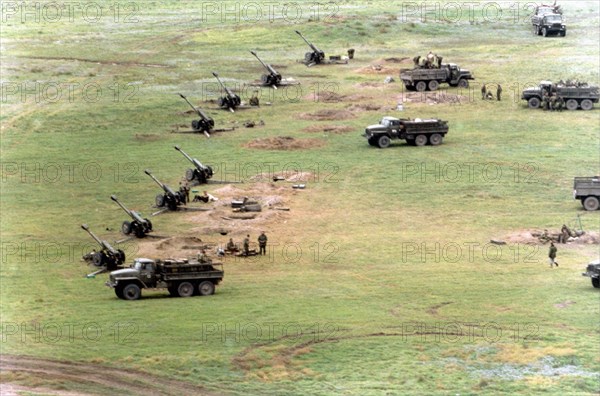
[
  {"x": 552, "y": 102},
  {"x": 232, "y": 247},
  {"x": 486, "y": 94}
]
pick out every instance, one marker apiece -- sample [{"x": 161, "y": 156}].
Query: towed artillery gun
[
  {"x": 108, "y": 257},
  {"x": 202, "y": 173},
  {"x": 272, "y": 79},
  {"x": 317, "y": 57},
  {"x": 230, "y": 101},
  {"x": 138, "y": 226},
  {"x": 205, "y": 124},
  {"x": 170, "y": 199}
]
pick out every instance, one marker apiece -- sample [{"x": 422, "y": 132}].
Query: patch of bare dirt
[
  {"x": 284, "y": 143},
  {"x": 366, "y": 107},
  {"x": 147, "y": 137},
  {"x": 405, "y": 59},
  {"x": 532, "y": 237},
  {"x": 107, "y": 380},
  {"x": 370, "y": 84},
  {"x": 436, "y": 97},
  {"x": 336, "y": 129},
  {"x": 328, "y": 115},
  {"x": 564, "y": 304}
]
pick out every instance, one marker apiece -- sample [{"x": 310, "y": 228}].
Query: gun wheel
[
  {"x": 190, "y": 175},
  {"x": 159, "y": 201},
  {"x": 126, "y": 228}
]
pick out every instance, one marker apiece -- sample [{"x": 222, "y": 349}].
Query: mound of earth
[
  {"x": 366, "y": 107},
  {"x": 436, "y": 97},
  {"x": 284, "y": 143},
  {"x": 145, "y": 137},
  {"x": 532, "y": 237},
  {"x": 327, "y": 115},
  {"x": 337, "y": 129}
]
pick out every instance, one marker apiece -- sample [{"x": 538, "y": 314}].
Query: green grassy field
[{"x": 381, "y": 280}]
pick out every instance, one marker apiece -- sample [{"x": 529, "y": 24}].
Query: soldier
[
  {"x": 247, "y": 245},
  {"x": 560, "y": 103},
  {"x": 254, "y": 101},
  {"x": 230, "y": 247},
  {"x": 416, "y": 60},
  {"x": 489, "y": 95},
  {"x": 552, "y": 104},
  {"x": 262, "y": 243},
  {"x": 483, "y": 92},
  {"x": 498, "y": 92},
  {"x": 203, "y": 258},
  {"x": 422, "y": 62},
  {"x": 565, "y": 234},
  {"x": 552, "y": 255},
  {"x": 545, "y": 101}
]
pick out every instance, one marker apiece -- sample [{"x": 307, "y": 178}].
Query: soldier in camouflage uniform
[
  {"x": 247, "y": 245},
  {"x": 262, "y": 243}
]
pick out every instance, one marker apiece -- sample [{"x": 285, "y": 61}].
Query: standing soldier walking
[
  {"x": 552, "y": 255},
  {"x": 247, "y": 245},
  {"x": 262, "y": 243},
  {"x": 498, "y": 92},
  {"x": 483, "y": 92}
]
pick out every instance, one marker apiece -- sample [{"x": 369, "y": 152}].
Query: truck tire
[
  {"x": 421, "y": 86},
  {"x": 591, "y": 203},
  {"x": 126, "y": 228},
  {"x": 587, "y": 104},
  {"x": 435, "y": 139},
  {"x": 544, "y": 32},
  {"x": 462, "y": 83},
  {"x": 206, "y": 288},
  {"x": 185, "y": 289},
  {"x": 420, "y": 140},
  {"x": 563, "y": 33},
  {"x": 383, "y": 141},
  {"x": 572, "y": 104},
  {"x": 596, "y": 282},
  {"x": 433, "y": 85},
  {"x": 159, "y": 201},
  {"x": 534, "y": 103},
  {"x": 119, "y": 292},
  {"x": 131, "y": 291}
]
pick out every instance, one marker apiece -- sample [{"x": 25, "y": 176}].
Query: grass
[{"x": 390, "y": 239}]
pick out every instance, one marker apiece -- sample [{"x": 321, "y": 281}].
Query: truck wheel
[
  {"x": 433, "y": 85},
  {"x": 462, "y": 83},
  {"x": 185, "y": 289},
  {"x": 119, "y": 292},
  {"x": 572, "y": 104},
  {"x": 435, "y": 139},
  {"x": 587, "y": 104},
  {"x": 421, "y": 140},
  {"x": 383, "y": 142},
  {"x": 534, "y": 103},
  {"x": 544, "y": 32},
  {"x": 591, "y": 203},
  {"x": 126, "y": 228},
  {"x": 206, "y": 288},
  {"x": 421, "y": 86},
  {"x": 131, "y": 292},
  {"x": 159, "y": 200},
  {"x": 596, "y": 282}
]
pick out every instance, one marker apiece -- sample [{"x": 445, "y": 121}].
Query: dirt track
[{"x": 107, "y": 380}]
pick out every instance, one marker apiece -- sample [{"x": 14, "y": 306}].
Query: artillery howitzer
[
  {"x": 201, "y": 173},
  {"x": 171, "y": 199},
  {"x": 138, "y": 226},
  {"x": 108, "y": 257},
  {"x": 205, "y": 124},
  {"x": 230, "y": 100},
  {"x": 272, "y": 79},
  {"x": 316, "y": 56}
]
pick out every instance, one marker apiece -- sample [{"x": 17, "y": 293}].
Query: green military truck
[
  {"x": 180, "y": 277},
  {"x": 422, "y": 79},
  {"x": 547, "y": 21},
  {"x": 593, "y": 272},
  {"x": 574, "y": 95},
  {"x": 417, "y": 132},
  {"x": 587, "y": 190}
]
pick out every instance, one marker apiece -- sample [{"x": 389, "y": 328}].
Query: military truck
[
  {"x": 421, "y": 79},
  {"x": 593, "y": 272},
  {"x": 547, "y": 20},
  {"x": 180, "y": 277},
  {"x": 417, "y": 132},
  {"x": 587, "y": 190},
  {"x": 575, "y": 95}
]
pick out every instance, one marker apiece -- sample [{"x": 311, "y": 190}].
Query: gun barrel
[
  {"x": 104, "y": 244},
  {"x": 260, "y": 60},
  {"x": 229, "y": 93},
  {"x": 307, "y": 42},
  {"x": 114, "y": 198},
  {"x": 154, "y": 178},
  {"x": 191, "y": 105},
  {"x": 184, "y": 154}
]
